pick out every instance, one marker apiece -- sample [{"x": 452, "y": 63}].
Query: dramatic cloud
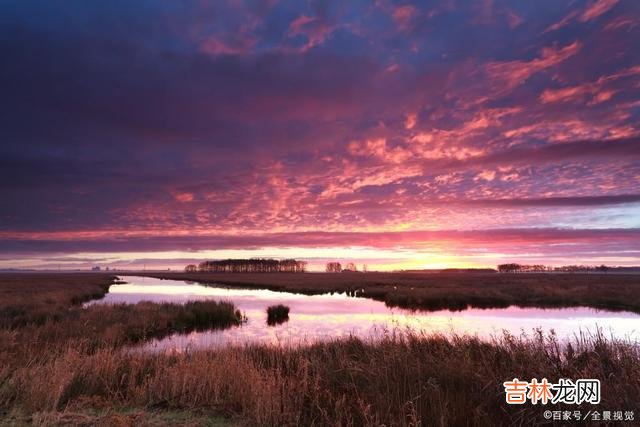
[{"x": 423, "y": 131}]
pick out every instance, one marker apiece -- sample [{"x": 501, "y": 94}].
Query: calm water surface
[{"x": 328, "y": 316}]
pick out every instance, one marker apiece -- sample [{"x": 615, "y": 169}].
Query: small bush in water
[{"x": 277, "y": 314}]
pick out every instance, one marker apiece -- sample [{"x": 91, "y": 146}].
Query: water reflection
[{"x": 327, "y": 316}]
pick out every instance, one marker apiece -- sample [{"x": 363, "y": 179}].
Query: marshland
[
  {"x": 77, "y": 349},
  {"x": 446, "y": 290}
]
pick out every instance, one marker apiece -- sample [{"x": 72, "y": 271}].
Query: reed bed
[
  {"x": 403, "y": 379},
  {"x": 113, "y": 326},
  {"x": 27, "y": 298}
]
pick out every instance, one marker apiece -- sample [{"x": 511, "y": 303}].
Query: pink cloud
[
  {"x": 602, "y": 96},
  {"x": 404, "y": 16},
  {"x": 215, "y": 45},
  {"x": 378, "y": 148},
  {"x": 597, "y": 8},
  {"x": 621, "y": 22},
  {"x": 487, "y": 175},
  {"x": 514, "y": 19},
  {"x": 600, "y": 91},
  {"x": 297, "y": 25},
  {"x": 564, "y": 21},
  {"x": 506, "y": 75},
  {"x": 410, "y": 121},
  {"x": 593, "y": 11},
  {"x": 316, "y": 30},
  {"x": 184, "y": 197}
]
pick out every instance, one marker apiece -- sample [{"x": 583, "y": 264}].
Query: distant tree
[
  {"x": 351, "y": 267},
  {"x": 191, "y": 268},
  {"x": 603, "y": 268},
  {"x": 509, "y": 268},
  {"x": 535, "y": 268},
  {"x": 364, "y": 268},
  {"x": 253, "y": 265},
  {"x": 578, "y": 268},
  {"x": 333, "y": 267}
]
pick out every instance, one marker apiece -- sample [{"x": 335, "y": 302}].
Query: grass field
[
  {"x": 434, "y": 291},
  {"x": 36, "y": 297},
  {"x": 72, "y": 368}
]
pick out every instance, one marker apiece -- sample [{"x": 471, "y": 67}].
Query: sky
[{"x": 403, "y": 135}]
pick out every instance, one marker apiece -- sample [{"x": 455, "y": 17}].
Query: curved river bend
[{"x": 327, "y": 316}]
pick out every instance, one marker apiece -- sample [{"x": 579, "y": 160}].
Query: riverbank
[{"x": 454, "y": 291}]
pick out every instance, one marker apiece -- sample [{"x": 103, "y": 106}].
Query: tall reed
[{"x": 404, "y": 379}]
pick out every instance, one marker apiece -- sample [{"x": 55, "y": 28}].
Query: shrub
[{"x": 277, "y": 314}]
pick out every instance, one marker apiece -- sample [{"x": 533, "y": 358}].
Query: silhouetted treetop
[{"x": 253, "y": 265}]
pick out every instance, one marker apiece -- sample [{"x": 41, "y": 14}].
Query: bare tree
[
  {"x": 350, "y": 267},
  {"x": 333, "y": 267}
]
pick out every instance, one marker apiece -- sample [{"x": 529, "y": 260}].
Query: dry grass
[
  {"x": 121, "y": 417},
  {"x": 434, "y": 291},
  {"x": 112, "y": 326},
  {"x": 36, "y": 297},
  {"x": 405, "y": 379}
]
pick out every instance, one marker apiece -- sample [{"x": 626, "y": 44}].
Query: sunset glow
[{"x": 400, "y": 135}]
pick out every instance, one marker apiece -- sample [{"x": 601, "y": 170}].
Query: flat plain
[{"x": 447, "y": 290}]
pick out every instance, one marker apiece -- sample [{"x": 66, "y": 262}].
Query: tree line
[
  {"x": 252, "y": 265},
  {"x": 538, "y": 268}
]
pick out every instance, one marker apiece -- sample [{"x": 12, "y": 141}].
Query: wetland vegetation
[
  {"x": 447, "y": 290},
  {"x": 65, "y": 364}
]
